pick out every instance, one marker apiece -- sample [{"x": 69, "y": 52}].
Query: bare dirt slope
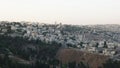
[{"x": 69, "y": 55}]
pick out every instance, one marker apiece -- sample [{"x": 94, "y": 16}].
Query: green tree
[
  {"x": 72, "y": 64},
  {"x": 111, "y": 64},
  {"x": 105, "y": 44},
  {"x": 97, "y": 44},
  {"x": 83, "y": 65},
  {"x": 81, "y": 44}
]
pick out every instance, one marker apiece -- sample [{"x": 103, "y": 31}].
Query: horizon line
[{"x": 59, "y": 23}]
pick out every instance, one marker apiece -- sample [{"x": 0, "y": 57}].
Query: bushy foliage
[
  {"x": 25, "y": 49},
  {"x": 112, "y": 64}
]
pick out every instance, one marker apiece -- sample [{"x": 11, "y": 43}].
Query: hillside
[
  {"x": 24, "y": 45},
  {"x": 18, "y": 52},
  {"x": 71, "y": 55}
]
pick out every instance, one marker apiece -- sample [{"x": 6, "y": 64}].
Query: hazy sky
[{"x": 65, "y": 11}]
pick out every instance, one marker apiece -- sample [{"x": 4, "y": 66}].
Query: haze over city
[
  {"x": 65, "y": 11},
  {"x": 59, "y": 33}
]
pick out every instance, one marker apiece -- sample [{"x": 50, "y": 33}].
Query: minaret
[{"x": 55, "y": 25}]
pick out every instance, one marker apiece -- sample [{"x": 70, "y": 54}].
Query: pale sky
[{"x": 65, "y": 11}]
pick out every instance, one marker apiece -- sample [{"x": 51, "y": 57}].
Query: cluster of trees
[
  {"x": 58, "y": 64},
  {"x": 112, "y": 64},
  {"x": 39, "y": 52}
]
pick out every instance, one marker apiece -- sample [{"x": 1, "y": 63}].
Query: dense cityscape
[
  {"x": 59, "y": 33},
  {"x": 99, "y": 39}
]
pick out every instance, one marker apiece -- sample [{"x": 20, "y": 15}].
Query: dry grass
[{"x": 69, "y": 55}]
